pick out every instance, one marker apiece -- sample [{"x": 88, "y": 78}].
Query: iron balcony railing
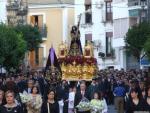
[{"x": 43, "y": 31}]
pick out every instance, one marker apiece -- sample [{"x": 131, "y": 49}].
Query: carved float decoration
[{"x": 75, "y": 63}]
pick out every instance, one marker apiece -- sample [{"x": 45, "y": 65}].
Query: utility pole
[
  {"x": 143, "y": 11},
  {"x": 148, "y": 10}
]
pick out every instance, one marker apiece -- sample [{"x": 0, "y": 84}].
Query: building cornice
[{"x": 43, "y": 6}]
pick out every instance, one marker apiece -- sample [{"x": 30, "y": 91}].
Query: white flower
[
  {"x": 96, "y": 105},
  {"x": 25, "y": 97},
  {"x": 84, "y": 105}
]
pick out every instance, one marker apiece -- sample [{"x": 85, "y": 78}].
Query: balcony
[
  {"x": 136, "y": 2},
  {"x": 43, "y": 32},
  {"x": 107, "y": 17},
  {"x": 134, "y": 13},
  {"x": 133, "y": 2},
  {"x": 16, "y": 10},
  {"x": 111, "y": 55},
  {"x": 12, "y": 6}
]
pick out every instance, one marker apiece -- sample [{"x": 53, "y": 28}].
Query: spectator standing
[
  {"x": 135, "y": 102},
  {"x": 34, "y": 106},
  {"x": 50, "y": 105},
  {"x": 10, "y": 106},
  {"x": 82, "y": 93},
  {"x": 119, "y": 93},
  {"x": 92, "y": 88},
  {"x": 147, "y": 100}
]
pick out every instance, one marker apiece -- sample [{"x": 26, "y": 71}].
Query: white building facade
[
  {"x": 120, "y": 28},
  {"x": 3, "y": 12},
  {"x": 109, "y": 23}
]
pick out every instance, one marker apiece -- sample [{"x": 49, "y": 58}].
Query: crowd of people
[{"x": 128, "y": 90}]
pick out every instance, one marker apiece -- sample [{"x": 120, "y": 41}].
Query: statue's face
[{"x": 74, "y": 28}]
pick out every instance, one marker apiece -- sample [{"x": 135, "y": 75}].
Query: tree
[
  {"x": 12, "y": 47},
  {"x": 31, "y": 35},
  {"x": 136, "y": 38},
  {"x": 147, "y": 48}
]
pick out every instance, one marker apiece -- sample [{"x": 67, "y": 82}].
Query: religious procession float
[{"x": 73, "y": 63}]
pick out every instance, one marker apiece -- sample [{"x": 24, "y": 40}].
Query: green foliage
[
  {"x": 31, "y": 35},
  {"x": 147, "y": 48},
  {"x": 12, "y": 47},
  {"x": 136, "y": 38}
]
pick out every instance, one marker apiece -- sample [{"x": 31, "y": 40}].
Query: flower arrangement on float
[{"x": 78, "y": 59}]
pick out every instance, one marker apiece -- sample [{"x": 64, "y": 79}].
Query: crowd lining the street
[{"x": 128, "y": 90}]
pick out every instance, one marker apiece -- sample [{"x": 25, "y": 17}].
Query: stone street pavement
[{"x": 111, "y": 109}]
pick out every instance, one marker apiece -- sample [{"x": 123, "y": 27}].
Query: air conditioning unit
[
  {"x": 97, "y": 44},
  {"x": 99, "y": 4}
]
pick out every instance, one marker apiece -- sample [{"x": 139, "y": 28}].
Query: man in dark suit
[
  {"x": 82, "y": 93},
  {"x": 29, "y": 87},
  {"x": 92, "y": 88}
]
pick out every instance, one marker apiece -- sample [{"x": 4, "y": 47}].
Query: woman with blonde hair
[{"x": 10, "y": 106}]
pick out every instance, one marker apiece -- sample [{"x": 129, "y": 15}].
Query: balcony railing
[
  {"x": 111, "y": 54},
  {"x": 12, "y": 5},
  {"x": 18, "y": 6},
  {"x": 16, "y": 10},
  {"x": 43, "y": 31},
  {"x": 136, "y": 2},
  {"x": 133, "y": 2}
]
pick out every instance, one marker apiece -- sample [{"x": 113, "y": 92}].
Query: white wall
[
  {"x": 3, "y": 12},
  {"x": 99, "y": 29},
  {"x": 121, "y": 25},
  {"x": 120, "y": 9},
  {"x": 65, "y": 24},
  {"x": 121, "y": 22}
]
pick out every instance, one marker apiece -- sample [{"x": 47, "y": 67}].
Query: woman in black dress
[
  {"x": 1, "y": 97},
  {"x": 10, "y": 106},
  {"x": 135, "y": 102},
  {"x": 147, "y": 100},
  {"x": 51, "y": 105}
]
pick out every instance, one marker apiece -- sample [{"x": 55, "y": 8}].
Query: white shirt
[{"x": 71, "y": 100}]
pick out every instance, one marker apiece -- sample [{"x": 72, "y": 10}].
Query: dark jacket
[
  {"x": 54, "y": 108},
  {"x": 78, "y": 97}
]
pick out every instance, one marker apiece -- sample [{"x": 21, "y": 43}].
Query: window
[
  {"x": 108, "y": 11},
  {"x": 109, "y": 43},
  {"x": 37, "y": 56},
  {"x": 88, "y": 14},
  {"x": 133, "y": 21},
  {"x": 37, "y": 20},
  {"x": 88, "y": 37}
]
